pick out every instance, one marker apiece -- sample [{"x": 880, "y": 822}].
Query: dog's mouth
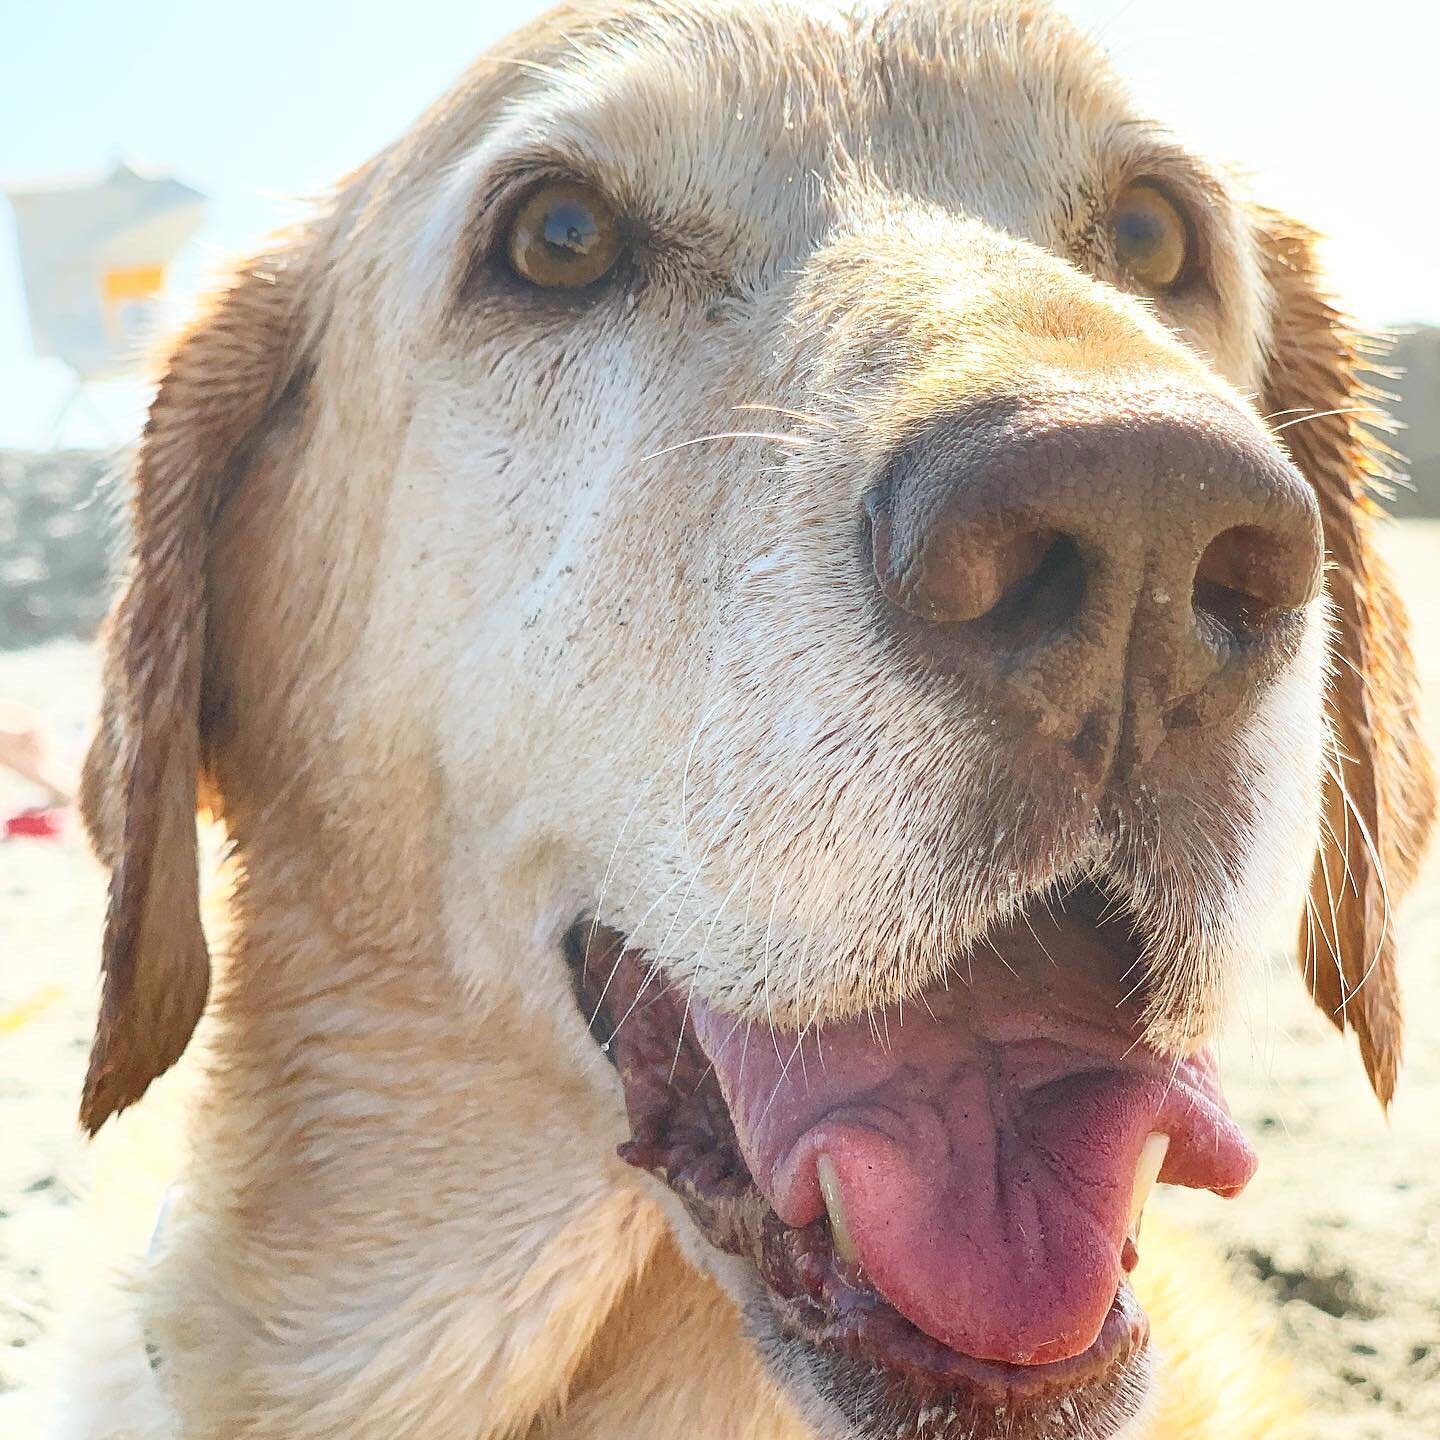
[{"x": 946, "y": 1194}]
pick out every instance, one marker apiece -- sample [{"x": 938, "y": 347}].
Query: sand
[{"x": 1340, "y": 1230}]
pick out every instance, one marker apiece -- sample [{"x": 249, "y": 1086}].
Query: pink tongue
[{"x": 985, "y": 1141}]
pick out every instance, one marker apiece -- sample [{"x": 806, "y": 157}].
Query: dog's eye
[
  {"x": 1152, "y": 237},
  {"x": 564, "y": 235}
]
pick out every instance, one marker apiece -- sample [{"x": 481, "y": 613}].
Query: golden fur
[{"x": 383, "y": 619}]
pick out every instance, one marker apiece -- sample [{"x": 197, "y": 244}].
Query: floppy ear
[
  {"x": 1378, "y": 798},
  {"x": 138, "y": 792}
]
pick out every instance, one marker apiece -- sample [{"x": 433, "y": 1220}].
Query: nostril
[
  {"x": 1011, "y": 589},
  {"x": 1044, "y": 598},
  {"x": 1248, "y": 575},
  {"x": 958, "y": 573},
  {"x": 1009, "y": 571}
]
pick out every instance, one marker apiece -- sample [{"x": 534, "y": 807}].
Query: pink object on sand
[{"x": 43, "y": 822}]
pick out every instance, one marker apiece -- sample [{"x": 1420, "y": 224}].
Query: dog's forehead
[{"x": 999, "y": 108}]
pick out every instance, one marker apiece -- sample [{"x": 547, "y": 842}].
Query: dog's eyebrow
[
  {"x": 1138, "y": 151},
  {"x": 601, "y": 127}
]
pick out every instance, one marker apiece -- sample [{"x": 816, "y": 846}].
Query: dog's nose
[{"x": 1109, "y": 568}]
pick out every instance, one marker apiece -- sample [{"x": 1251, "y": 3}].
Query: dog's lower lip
[{"x": 931, "y": 1368}]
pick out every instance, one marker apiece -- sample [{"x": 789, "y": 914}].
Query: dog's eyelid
[
  {"x": 1200, "y": 200},
  {"x": 662, "y": 247},
  {"x": 508, "y": 190},
  {"x": 500, "y": 198}
]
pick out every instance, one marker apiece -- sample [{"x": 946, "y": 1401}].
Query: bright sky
[{"x": 1328, "y": 101}]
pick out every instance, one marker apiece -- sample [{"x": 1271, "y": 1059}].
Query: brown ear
[
  {"x": 138, "y": 792},
  {"x": 1379, "y": 790}
]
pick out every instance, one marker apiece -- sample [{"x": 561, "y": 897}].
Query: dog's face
[{"x": 803, "y": 495}]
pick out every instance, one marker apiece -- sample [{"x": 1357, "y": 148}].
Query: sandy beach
[{"x": 1340, "y": 1230}]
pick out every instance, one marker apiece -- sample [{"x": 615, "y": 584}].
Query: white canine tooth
[
  {"x": 1147, "y": 1172},
  {"x": 835, "y": 1208}
]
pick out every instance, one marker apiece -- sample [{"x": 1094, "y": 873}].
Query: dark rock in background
[
  {"x": 60, "y": 529},
  {"x": 1419, "y": 409}
]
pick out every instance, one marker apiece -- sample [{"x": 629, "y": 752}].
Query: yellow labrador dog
[{"x": 772, "y": 602}]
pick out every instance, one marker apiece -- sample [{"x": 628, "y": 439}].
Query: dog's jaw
[
  {"x": 842, "y": 1406},
  {"x": 1064, "y": 1069}
]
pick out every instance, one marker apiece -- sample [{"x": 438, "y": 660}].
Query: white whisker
[{"x": 774, "y": 437}]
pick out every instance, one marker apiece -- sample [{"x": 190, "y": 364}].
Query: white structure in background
[{"x": 93, "y": 258}]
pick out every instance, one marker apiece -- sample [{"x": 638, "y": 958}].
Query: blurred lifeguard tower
[{"x": 93, "y": 257}]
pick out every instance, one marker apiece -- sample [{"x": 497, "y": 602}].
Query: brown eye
[
  {"x": 564, "y": 235},
  {"x": 1152, "y": 238}
]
